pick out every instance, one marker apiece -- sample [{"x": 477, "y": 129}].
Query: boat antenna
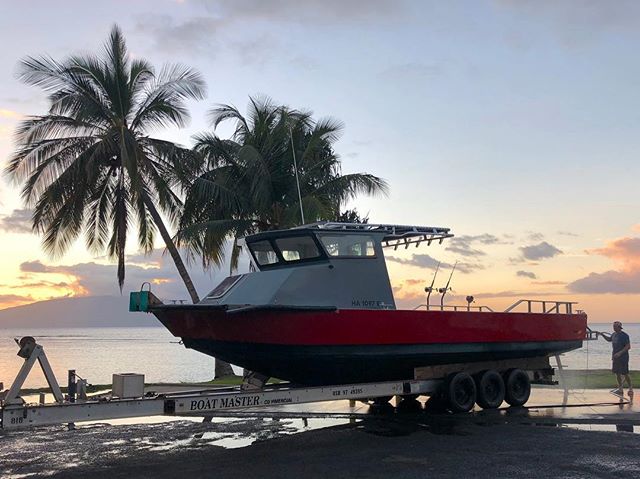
[
  {"x": 429, "y": 289},
  {"x": 444, "y": 290},
  {"x": 295, "y": 167}
]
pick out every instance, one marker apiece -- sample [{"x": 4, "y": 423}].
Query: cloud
[
  {"x": 518, "y": 294},
  {"x": 405, "y": 295},
  {"x": 534, "y": 236},
  {"x": 19, "y": 221},
  {"x": 539, "y": 251},
  {"x": 636, "y": 228},
  {"x": 568, "y": 233},
  {"x": 316, "y": 11},
  {"x": 615, "y": 282},
  {"x": 526, "y": 274},
  {"x": 419, "y": 260},
  {"x": 549, "y": 283},
  {"x": 462, "y": 245},
  {"x": 578, "y": 22},
  {"x": 195, "y": 35},
  {"x": 9, "y": 300},
  {"x": 99, "y": 279},
  {"x": 225, "y": 23},
  {"x": 37, "y": 284},
  {"x": 624, "y": 280},
  {"x": 623, "y": 250},
  {"x": 34, "y": 267},
  {"x": 428, "y": 262},
  {"x": 465, "y": 251}
]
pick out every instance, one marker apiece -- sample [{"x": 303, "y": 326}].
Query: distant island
[{"x": 76, "y": 312}]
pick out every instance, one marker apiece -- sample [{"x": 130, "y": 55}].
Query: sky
[{"x": 514, "y": 123}]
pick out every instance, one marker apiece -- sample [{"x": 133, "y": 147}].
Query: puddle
[
  {"x": 628, "y": 428},
  {"x": 264, "y": 430}
]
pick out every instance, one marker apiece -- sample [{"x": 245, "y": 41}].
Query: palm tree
[
  {"x": 247, "y": 183},
  {"x": 90, "y": 166}
]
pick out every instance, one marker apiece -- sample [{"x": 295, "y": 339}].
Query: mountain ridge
[{"x": 76, "y": 312}]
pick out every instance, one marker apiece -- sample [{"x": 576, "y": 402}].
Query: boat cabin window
[
  {"x": 297, "y": 248},
  {"x": 348, "y": 246},
  {"x": 264, "y": 253}
]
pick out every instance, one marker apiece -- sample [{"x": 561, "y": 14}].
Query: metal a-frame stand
[{"x": 32, "y": 352}]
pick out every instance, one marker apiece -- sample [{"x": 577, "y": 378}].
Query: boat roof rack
[{"x": 394, "y": 235}]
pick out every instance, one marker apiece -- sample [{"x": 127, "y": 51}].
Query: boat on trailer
[{"x": 319, "y": 309}]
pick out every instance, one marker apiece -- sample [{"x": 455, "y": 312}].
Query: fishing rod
[
  {"x": 444, "y": 290},
  {"x": 429, "y": 289}
]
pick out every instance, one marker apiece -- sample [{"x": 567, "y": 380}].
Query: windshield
[
  {"x": 290, "y": 249},
  {"x": 264, "y": 253},
  {"x": 297, "y": 248},
  {"x": 350, "y": 246}
]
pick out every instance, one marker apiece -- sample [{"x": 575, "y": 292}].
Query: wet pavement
[{"x": 558, "y": 435}]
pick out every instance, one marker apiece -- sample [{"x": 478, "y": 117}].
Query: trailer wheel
[
  {"x": 517, "y": 387},
  {"x": 491, "y": 389},
  {"x": 461, "y": 392}
]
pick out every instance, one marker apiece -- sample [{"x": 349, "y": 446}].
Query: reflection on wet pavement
[{"x": 50, "y": 445}]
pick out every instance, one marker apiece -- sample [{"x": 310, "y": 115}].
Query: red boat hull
[{"x": 324, "y": 346}]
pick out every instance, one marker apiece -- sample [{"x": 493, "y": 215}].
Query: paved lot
[{"x": 534, "y": 442}]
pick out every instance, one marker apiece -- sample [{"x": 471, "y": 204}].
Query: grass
[
  {"x": 595, "y": 378},
  {"x": 93, "y": 388}
]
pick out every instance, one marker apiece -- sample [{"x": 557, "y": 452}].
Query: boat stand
[{"x": 31, "y": 352}]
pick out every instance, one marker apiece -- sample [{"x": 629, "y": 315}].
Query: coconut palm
[
  {"x": 248, "y": 182},
  {"x": 89, "y": 166}
]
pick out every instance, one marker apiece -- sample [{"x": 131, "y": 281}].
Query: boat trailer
[
  {"x": 76, "y": 406},
  {"x": 452, "y": 385}
]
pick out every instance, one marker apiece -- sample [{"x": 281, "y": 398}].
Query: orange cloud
[
  {"x": 625, "y": 250},
  {"x": 636, "y": 228},
  {"x": 623, "y": 280},
  {"x": 11, "y": 300},
  {"x": 408, "y": 293}
]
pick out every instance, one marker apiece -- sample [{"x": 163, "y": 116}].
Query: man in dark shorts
[{"x": 620, "y": 356}]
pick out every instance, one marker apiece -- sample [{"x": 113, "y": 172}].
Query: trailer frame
[{"x": 15, "y": 413}]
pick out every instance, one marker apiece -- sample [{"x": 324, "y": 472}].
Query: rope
[{"x": 587, "y": 374}]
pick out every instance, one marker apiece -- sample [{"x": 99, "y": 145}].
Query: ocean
[{"x": 96, "y": 353}]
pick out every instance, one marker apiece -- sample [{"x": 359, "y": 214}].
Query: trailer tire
[
  {"x": 517, "y": 387},
  {"x": 461, "y": 392},
  {"x": 491, "y": 389}
]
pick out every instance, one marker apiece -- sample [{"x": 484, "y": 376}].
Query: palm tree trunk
[{"x": 222, "y": 368}]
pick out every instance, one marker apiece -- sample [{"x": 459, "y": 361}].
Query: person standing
[{"x": 620, "y": 356}]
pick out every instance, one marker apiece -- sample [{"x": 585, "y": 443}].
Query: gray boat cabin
[{"x": 324, "y": 264}]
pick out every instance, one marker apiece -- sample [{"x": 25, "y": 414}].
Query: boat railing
[
  {"x": 454, "y": 307},
  {"x": 531, "y": 306},
  {"x": 541, "y": 306}
]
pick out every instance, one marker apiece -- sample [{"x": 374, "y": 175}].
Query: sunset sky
[{"x": 514, "y": 123}]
